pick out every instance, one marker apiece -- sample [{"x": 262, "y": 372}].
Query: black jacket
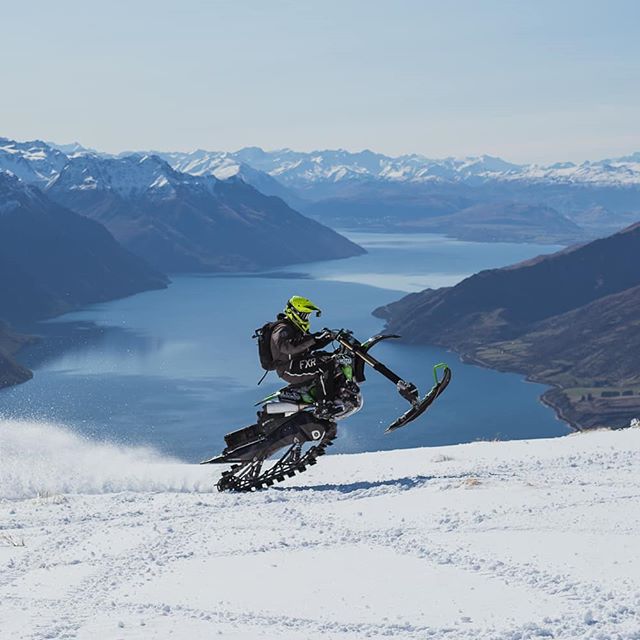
[{"x": 289, "y": 343}]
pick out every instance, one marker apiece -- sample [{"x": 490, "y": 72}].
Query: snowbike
[{"x": 290, "y": 425}]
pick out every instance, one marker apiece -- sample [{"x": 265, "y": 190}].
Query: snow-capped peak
[
  {"x": 37, "y": 162},
  {"x": 126, "y": 176},
  {"x": 294, "y": 168},
  {"x": 33, "y": 161}
]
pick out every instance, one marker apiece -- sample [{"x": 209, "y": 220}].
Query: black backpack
[{"x": 263, "y": 335}]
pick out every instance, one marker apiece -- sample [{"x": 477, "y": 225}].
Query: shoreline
[
  {"x": 467, "y": 358},
  {"x": 13, "y": 372},
  {"x": 556, "y": 398}
]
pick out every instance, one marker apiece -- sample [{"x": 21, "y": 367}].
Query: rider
[{"x": 296, "y": 352}]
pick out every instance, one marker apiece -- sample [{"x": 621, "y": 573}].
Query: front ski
[{"x": 419, "y": 406}]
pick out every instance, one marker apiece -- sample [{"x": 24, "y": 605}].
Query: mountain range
[
  {"x": 177, "y": 221},
  {"x": 570, "y": 319},
  {"x": 373, "y": 190},
  {"x": 298, "y": 169},
  {"x": 501, "y": 221}
]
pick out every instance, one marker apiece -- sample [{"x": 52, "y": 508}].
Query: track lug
[{"x": 250, "y": 476}]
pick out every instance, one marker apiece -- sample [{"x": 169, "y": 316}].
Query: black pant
[{"x": 316, "y": 368}]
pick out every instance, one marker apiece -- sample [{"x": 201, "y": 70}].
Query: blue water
[{"x": 176, "y": 369}]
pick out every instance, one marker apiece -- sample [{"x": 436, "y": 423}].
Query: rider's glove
[{"x": 322, "y": 338}]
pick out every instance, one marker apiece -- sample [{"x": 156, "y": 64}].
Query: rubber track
[{"x": 247, "y": 476}]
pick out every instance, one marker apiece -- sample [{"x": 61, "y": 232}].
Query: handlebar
[{"x": 338, "y": 333}]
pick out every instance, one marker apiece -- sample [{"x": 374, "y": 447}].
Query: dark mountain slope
[
  {"x": 383, "y": 205},
  {"x": 571, "y": 319},
  {"x": 180, "y": 222},
  {"x": 502, "y": 222},
  {"x": 599, "y": 342},
  {"x": 501, "y": 303},
  {"x": 53, "y": 260},
  {"x": 590, "y": 354}
]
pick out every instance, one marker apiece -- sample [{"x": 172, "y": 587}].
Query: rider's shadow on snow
[{"x": 401, "y": 483}]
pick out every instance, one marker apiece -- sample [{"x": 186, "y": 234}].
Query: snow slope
[{"x": 500, "y": 540}]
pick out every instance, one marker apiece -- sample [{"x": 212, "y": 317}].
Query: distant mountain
[
  {"x": 392, "y": 207},
  {"x": 375, "y": 190},
  {"x": 178, "y": 221},
  {"x": 299, "y": 169},
  {"x": 570, "y": 319},
  {"x": 372, "y": 190},
  {"x": 182, "y": 222},
  {"x": 502, "y": 221},
  {"x": 34, "y": 162},
  {"x": 223, "y": 166},
  {"x": 52, "y": 260},
  {"x": 384, "y": 205},
  {"x": 73, "y": 148}
]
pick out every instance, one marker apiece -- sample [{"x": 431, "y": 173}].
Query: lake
[{"x": 176, "y": 369}]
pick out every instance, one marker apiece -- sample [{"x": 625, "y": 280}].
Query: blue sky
[{"x": 529, "y": 81}]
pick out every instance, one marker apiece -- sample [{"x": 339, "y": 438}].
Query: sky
[{"x": 537, "y": 81}]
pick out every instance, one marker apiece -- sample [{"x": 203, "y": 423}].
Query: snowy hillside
[{"x": 504, "y": 540}]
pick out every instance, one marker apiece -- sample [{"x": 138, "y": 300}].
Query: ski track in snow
[{"x": 490, "y": 540}]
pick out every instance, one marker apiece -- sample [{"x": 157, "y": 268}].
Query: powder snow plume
[{"x": 39, "y": 458}]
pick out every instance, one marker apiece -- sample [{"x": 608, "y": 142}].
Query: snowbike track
[{"x": 505, "y": 541}]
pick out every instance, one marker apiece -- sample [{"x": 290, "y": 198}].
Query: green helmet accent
[{"x": 298, "y": 310}]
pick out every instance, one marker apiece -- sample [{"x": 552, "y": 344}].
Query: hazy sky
[{"x": 527, "y": 80}]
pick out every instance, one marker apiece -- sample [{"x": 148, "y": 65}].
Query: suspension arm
[
  {"x": 372, "y": 362},
  {"x": 406, "y": 389}
]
